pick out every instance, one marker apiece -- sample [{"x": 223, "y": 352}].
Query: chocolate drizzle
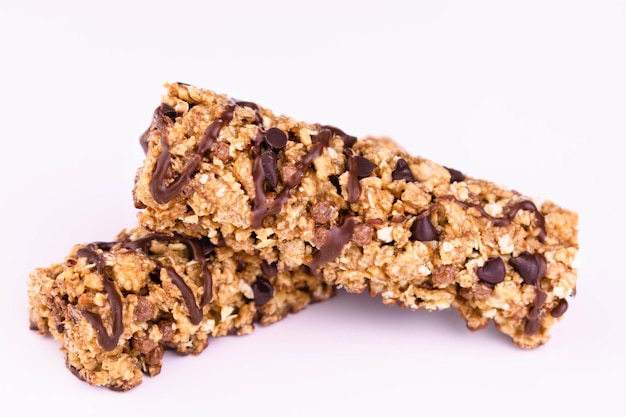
[
  {"x": 358, "y": 167},
  {"x": 353, "y": 187},
  {"x": 199, "y": 252},
  {"x": 540, "y": 300},
  {"x": 162, "y": 110},
  {"x": 261, "y": 208},
  {"x": 338, "y": 237},
  {"x": 532, "y": 267},
  {"x": 270, "y": 169},
  {"x": 509, "y": 215},
  {"x": 263, "y": 170},
  {"x": 455, "y": 175},
  {"x": 200, "y": 249},
  {"x": 533, "y": 324},
  {"x": 348, "y": 140},
  {"x": 105, "y": 340},
  {"x": 195, "y": 311},
  {"x": 162, "y": 192}
]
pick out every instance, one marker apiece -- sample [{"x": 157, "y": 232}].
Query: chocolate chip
[
  {"x": 531, "y": 267},
  {"x": 263, "y": 291},
  {"x": 365, "y": 167},
  {"x": 270, "y": 170},
  {"x": 276, "y": 138},
  {"x": 269, "y": 270},
  {"x": 402, "y": 172},
  {"x": 455, "y": 176},
  {"x": 423, "y": 230},
  {"x": 493, "y": 271},
  {"x": 338, "y": 237},
  {"x": 560, "y": 308}
]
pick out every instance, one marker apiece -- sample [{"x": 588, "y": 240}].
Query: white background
[{"x": 531, "y": 95}]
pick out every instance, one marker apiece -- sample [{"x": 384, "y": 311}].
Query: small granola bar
[
  {"x": 363, "y": 214},
  {"x": 116, "y": 306}
]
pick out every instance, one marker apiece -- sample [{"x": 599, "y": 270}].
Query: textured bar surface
[
  {"x": 363, "y": 214},
  {"x": 116, "y": 306}
]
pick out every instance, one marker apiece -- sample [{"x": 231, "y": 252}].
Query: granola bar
[
  {"x": 117, "y": 306},
  {"x": 361, "y": 213}
]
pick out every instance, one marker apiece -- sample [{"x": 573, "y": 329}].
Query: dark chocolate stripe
[
  {"x": 508, "y": 217},
  {"x": 348, "y": 140},
  {"x": 353, "y": 187},
  {"x": 195, "y": 312},
  {"x": 199, "y": 251},
  {"x": 260, "y": 199},
  {"x": 260, "y": 209},
  {"x": 455, "y": 175},
  {"x": 161, "y": 192},
  {"x": 338, "y": 237},
  {"x": 105, "y": 340},
  {"x": 162, "y": 110},
  {"x": 540, "y": 300}
]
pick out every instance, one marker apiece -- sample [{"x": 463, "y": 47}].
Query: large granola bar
[
  {"x": 117, "y": 306},
  {"x": 361, "y": 213}
]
